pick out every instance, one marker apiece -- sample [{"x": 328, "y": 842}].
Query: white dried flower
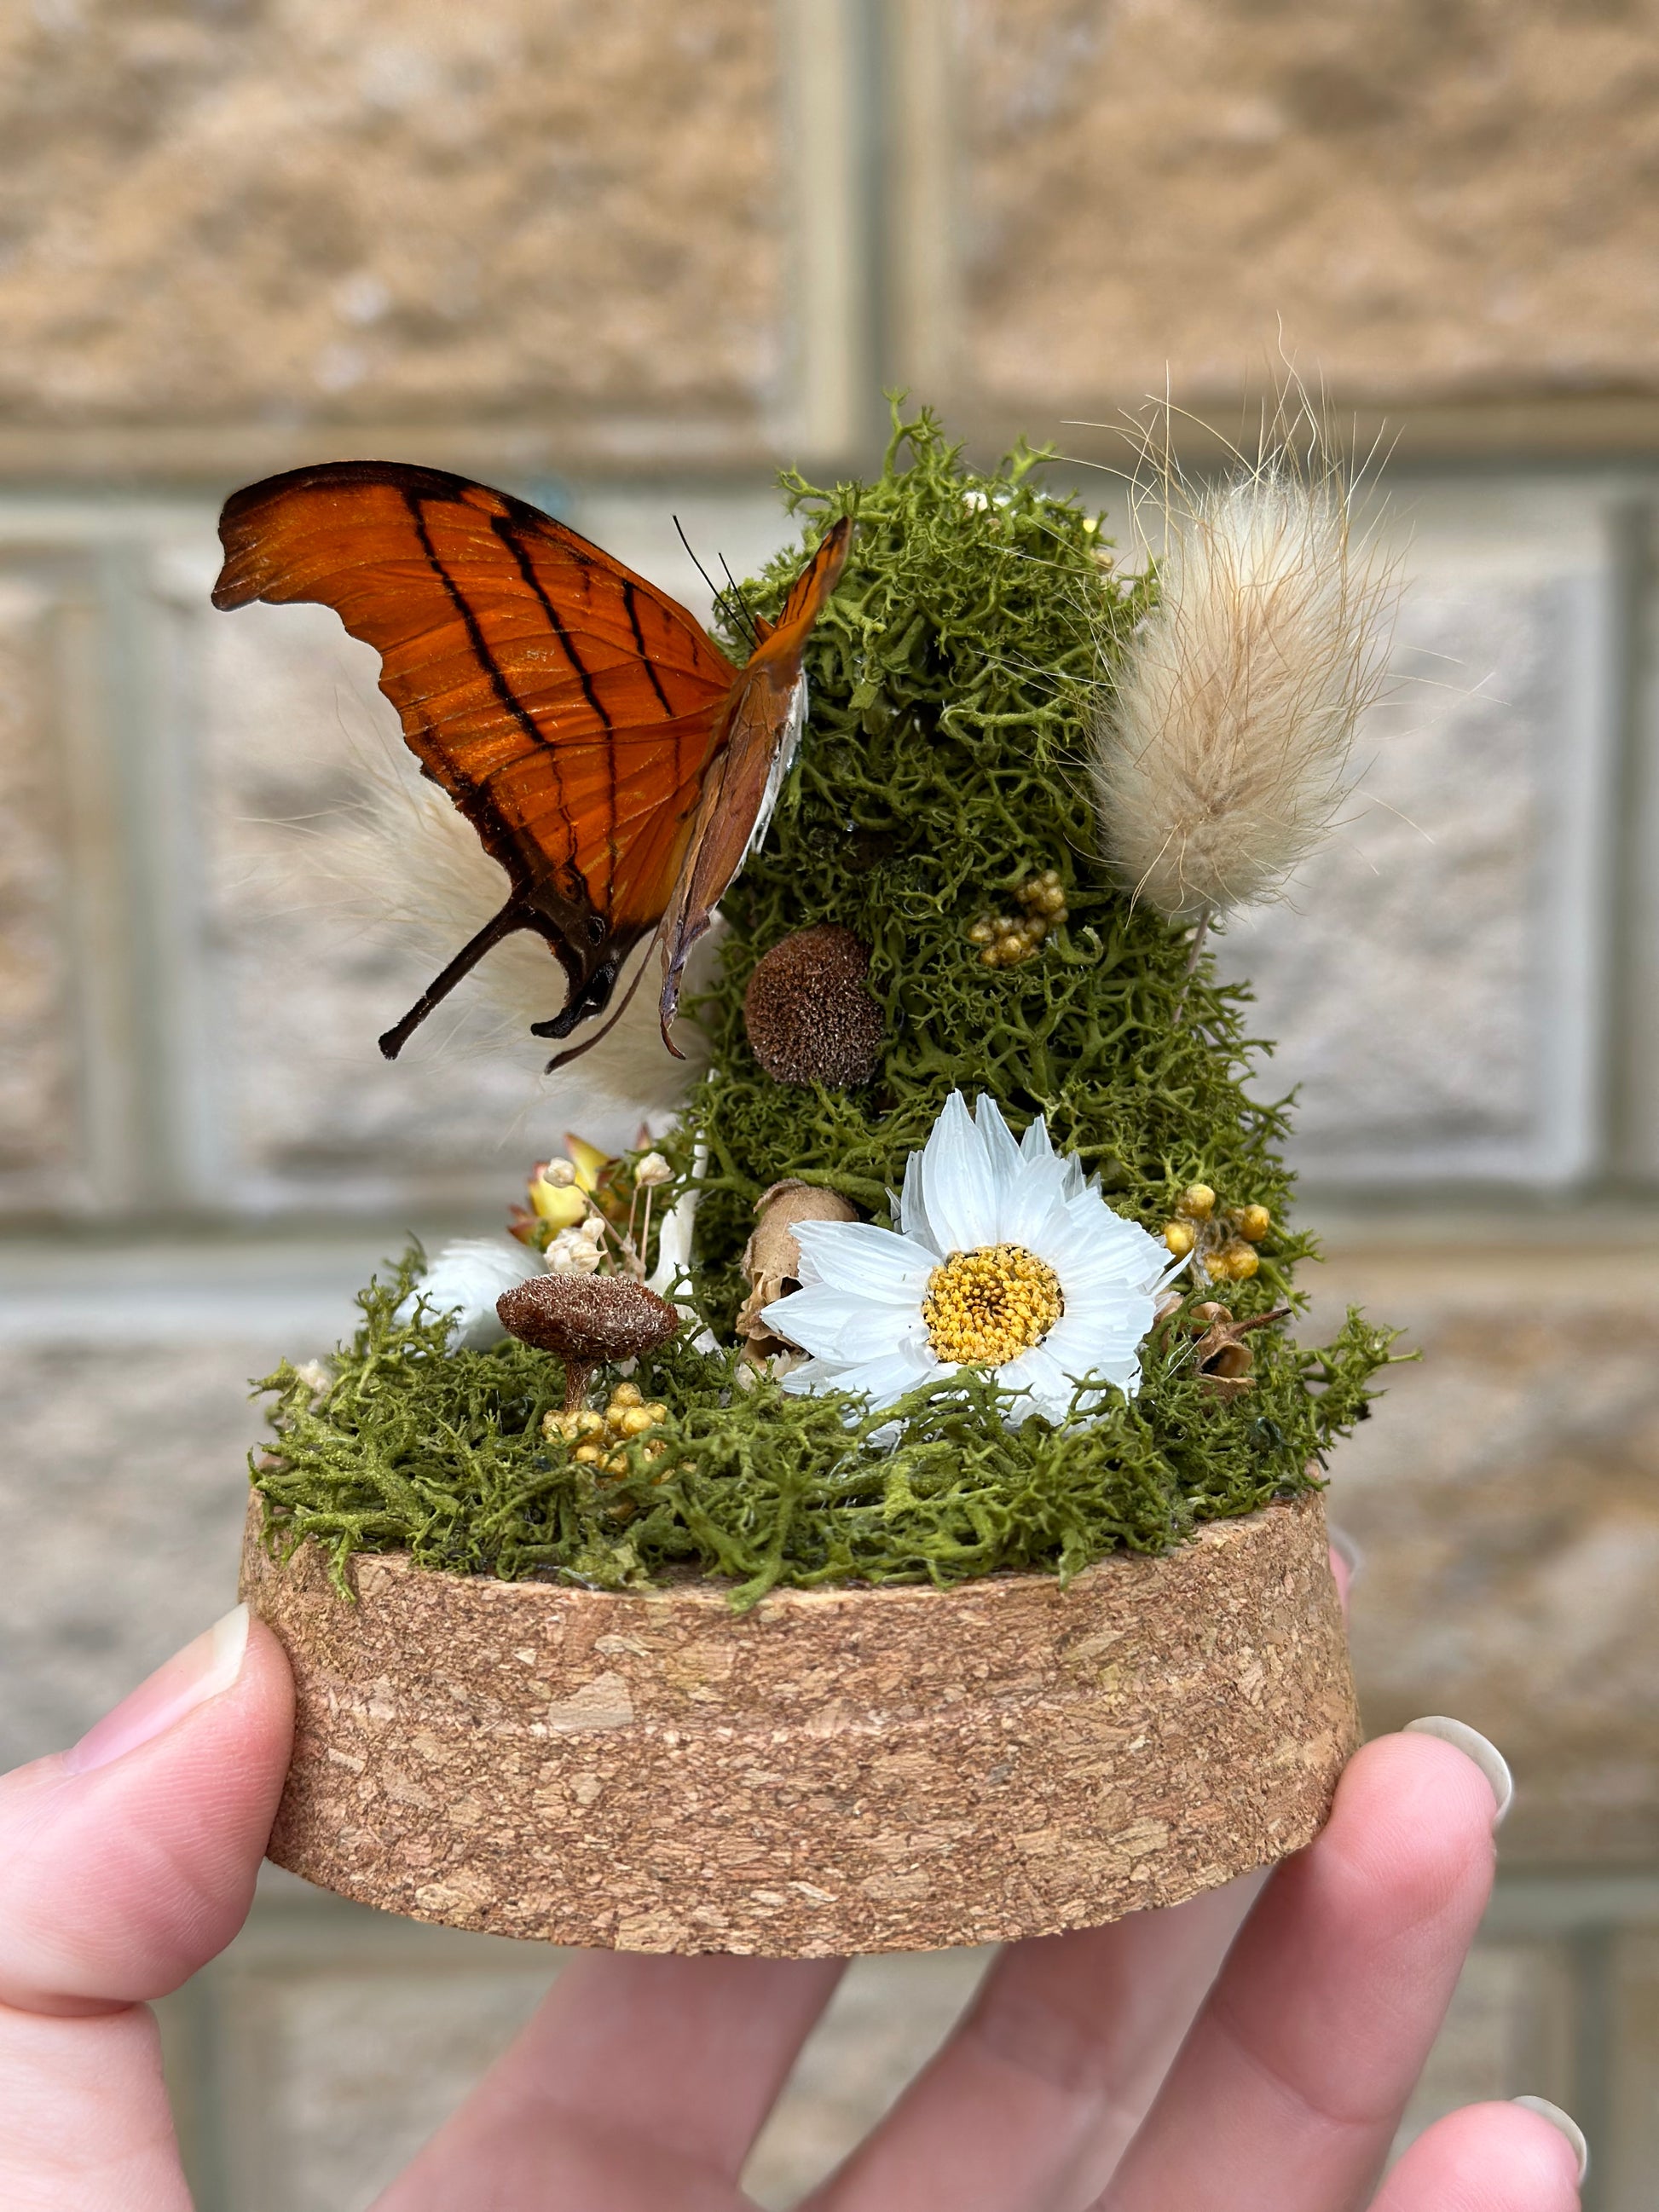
[
  {"x": 577, "y": 1251},
  {"x": 465, "y": 1281},
  {"x": 675, "y": 1233},
  {"x": 561, "y": 1174},
  {"x": 1221, "y": 755},
  {"x": 652, "y": 1170},
  {"x": 1005, "y": 1258}
]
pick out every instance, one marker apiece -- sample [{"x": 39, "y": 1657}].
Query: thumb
[{"x": 130, "y": 1859}]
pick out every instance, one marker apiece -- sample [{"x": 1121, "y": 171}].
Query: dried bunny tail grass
[
  {"x": 406, "y": 855},
  {"x": 1220, "y": 756}
]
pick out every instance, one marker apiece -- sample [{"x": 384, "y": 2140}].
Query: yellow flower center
[{"x": 991, "y": 1304}]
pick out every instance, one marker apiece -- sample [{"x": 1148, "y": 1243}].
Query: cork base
[{"x": 839, "y": 1771}]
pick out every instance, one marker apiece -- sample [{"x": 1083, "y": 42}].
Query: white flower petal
[
  {"x": 835, "y": 1324},
  {"x": 958, "y": 1189},
  {"x": 1104, "y": 1345},
  {"x": 1045, "y": 1385},
  {"x": 1031, "y": 1212},
  {"x": 1001, "y": 1153},
  {"x": 882, "y": 1380},
  {"x": 857, "y": 1256}
]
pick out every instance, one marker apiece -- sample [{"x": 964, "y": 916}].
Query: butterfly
[{"x": 612, "y": 759}]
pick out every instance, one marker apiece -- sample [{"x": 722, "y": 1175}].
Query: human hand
[{"x": 642, "y": 2082}]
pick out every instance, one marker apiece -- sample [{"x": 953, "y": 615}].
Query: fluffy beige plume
[
  {"x": 407, "y": 855},
  {"x": 1221, "y": 755}
]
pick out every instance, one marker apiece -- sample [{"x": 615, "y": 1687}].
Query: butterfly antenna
[
  {"x": 752, "y": 626},
  {"x": 722, "y": 603}
]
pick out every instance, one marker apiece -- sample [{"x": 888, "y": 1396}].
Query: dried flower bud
[
  {"x": 651, "y": 1171},
  {"x": 1235, "y": 1262},
  {"x": 809, "y": 1015},
  {"x": 1197, "y": 1201},
  {"x": 574, "y": 1252},
  {"x": 1180, "y": 1236},
  {"x": 560, "y": 1173},
  {"x": 1253, "y": 1223}
]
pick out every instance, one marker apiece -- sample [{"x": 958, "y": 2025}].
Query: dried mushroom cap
[
  {"x": 809, "y": 1015},
  {"x": 771, "y": 1259},
  {"x": 588, "y": 1318}
]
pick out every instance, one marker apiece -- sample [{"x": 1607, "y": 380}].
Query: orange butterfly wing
[
  {"x": 569, "y": 708},
  {"x": 609, "y": 755}
]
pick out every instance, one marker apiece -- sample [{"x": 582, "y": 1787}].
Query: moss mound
[
  {"x": 412, "y": 1446},
  {"x": 952, "y": 676}
]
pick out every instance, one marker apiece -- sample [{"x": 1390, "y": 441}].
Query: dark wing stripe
[
  {"x": 503, "y": 528},
  {"x": 639, "y": 640},
  {"x": 480, "y": 644}
]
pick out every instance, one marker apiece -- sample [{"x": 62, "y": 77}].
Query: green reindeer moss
[{"x": 952, "y": 676}]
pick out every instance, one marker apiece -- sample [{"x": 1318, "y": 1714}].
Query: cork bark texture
[{"x": 837, "y": 1771}]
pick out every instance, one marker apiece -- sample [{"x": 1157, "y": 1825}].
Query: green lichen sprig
[{"x": 954, "y": 676}]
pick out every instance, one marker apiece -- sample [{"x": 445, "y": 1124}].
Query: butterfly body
[{"x": 611, "y": 758}]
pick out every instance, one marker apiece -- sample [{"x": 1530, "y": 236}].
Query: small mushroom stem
[{"x": 577, "y": 1374}]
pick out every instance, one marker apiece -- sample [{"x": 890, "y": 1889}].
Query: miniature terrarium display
[{"x": 881, "y": 1508}]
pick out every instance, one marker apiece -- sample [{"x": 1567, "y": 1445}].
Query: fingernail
[
  {"x": 189, "y": 1679},
  {"x": 1565, "y": 2121},
  {"x": 1348, "y": 1551},
  {"x": 1473, "y": 1745}
]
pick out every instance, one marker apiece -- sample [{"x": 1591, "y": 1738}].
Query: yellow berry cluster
[
  {"x": 991, "y": 1304},
  {"x": 1005, "y": 939},
  {"x": 1223, "y": 1240},
  {"x": 600, "y": 1438}
]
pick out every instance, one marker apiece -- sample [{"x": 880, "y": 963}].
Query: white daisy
[{"x": 1004, "y": 1257}]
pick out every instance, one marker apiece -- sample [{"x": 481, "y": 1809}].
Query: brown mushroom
[
  {"x": 809, "y": 1015},
  {"x": 585, "y": 1319}
]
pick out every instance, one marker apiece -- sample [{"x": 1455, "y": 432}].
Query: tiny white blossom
[
  {"x": 652, "y": 1170},
  {"x": 577, "y": 1251}
]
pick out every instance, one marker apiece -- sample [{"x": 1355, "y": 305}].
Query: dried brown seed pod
[
  {"x": 1224, "y": 1358},
  {"x": 809, "y": 1015},
  {"x": 585, "y": 1319},
  {"x": 771, "y": 1258}
]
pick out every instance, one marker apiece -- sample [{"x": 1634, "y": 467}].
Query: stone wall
[{"x": 626, "y": 264}]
